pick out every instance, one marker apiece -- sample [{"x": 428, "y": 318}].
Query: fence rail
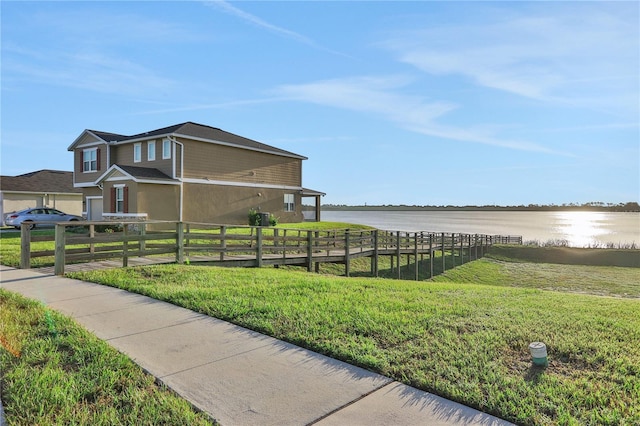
[{"x": 253, "y": 246}]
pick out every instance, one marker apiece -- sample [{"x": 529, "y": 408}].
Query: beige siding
[
  {"x": 216, "y": 162},
  {"x": 160, "y": 202},
  {"x": 68, "y": 203},
  {"x": 231, "y": 205},
  {"x": 123, "y": 154},
  {"x": 83, "y": 177}
]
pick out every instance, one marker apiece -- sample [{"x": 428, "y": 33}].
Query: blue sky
[{"x": 392, "y": 102}]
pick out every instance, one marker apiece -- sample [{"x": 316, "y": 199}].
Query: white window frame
[
  {"x": 137, "y": 152},
  {"x": 289, "y": 202},
  {"x": 119, "y": 198},
  {"x": 166, "y": 149},
  {"x": 151, "y": 150},
  {"x": 90, "y": 165}
]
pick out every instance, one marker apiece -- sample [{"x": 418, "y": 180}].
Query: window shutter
[
  {"x": 113, "y": 200},
  {"x": 98, "y": 158},
  {"x": 81, "y": 158},
  {"x": 125, "y": 195}
]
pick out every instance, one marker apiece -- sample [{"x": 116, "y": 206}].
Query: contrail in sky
[{"x": 232, "y": 10}]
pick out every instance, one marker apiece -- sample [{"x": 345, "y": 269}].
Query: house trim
[{"x": 245, "y": 184}]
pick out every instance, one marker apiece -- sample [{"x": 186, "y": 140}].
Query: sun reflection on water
[{"x": 580, "y": 229}]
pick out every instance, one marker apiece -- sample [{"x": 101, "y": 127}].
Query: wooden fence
[{"x": 164, "y": 242}]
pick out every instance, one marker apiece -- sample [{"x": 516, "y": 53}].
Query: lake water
[{"x": 578, "y": 228}]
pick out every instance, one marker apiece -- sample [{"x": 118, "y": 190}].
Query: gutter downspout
[{"x": 181, "y": 173}]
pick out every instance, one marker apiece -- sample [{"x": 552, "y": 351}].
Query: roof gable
[
  {"x": 89, "y": 137},
  {"x": 137, "y": 174}
]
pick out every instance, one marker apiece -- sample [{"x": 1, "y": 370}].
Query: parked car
[{"x": 37, "y": 215}]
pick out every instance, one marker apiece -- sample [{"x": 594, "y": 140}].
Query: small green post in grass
[
  {"x": 539, "y": 354},
  {"x": 51, "y": 326}
]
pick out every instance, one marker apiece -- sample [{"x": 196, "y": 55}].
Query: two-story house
[{"x": 188, "y": 172}]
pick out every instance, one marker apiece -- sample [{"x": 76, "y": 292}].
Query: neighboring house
[
  {"x": 188, "y": 172},
  {"x": 43, "y": 188}
]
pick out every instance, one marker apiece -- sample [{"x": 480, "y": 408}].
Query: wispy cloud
[
  {"x": 261, "y": 23},
  {"x": 92, "y": 48},
  {"x": 581, "y": 56},
  {"x": 105, "y": 26},
  {"x": 213, "y": 105},
  {"x": 94, "y": 71},
  {"x": 382, "y": 97}
]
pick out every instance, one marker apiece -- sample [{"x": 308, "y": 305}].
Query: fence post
[
  {"x": 374, "y": 259},
  {"x": 58, "y": 268},
  {"x": 430, "y": 255},
  {"x": 398, "y": 253},
  {"x": 25, "y": 246},
  {"x": 92, "y": 235},
  {"x": 309, "y": 251},
  {"x": 346, "y": 253},
  {"x": 415, "y": 253},
  {"x": 125, "y": 245},
  {"x": 444, "y": 258},
  {"x": 284, "y": 246},
  {"x": 317, "y": 244},
  {"x": 223, "y": 241},
  {"x": 142, "y": 244},
  {"x": 179, "y": 243},
  {"x": 475, "y": 246},
  {"x": 259, "y": 246},
  {"x": 453, "y": 249}
]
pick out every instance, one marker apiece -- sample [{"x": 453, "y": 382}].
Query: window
[
  {"x": 119, "y": 199},
  {"x": 137, "y": 152},
  {"x": 166, "y": 149},
  {"x": 289, "y": 204},
  {"x": 151, "y": 150},
  {"x": 90, "y": 160}
]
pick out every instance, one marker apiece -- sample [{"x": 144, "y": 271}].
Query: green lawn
[
  {"x": 55, "y": 372},
  {"x": 466, "y": 342},
  {"x": 463, "y": 336},
  {"x": 597, "y": 280},
  {"x": 10, "y": 248}
]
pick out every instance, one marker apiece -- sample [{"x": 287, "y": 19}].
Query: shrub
[{"x": 254, "y": 217}]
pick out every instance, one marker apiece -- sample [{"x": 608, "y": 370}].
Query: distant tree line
[{"x": 590, "y": 206}]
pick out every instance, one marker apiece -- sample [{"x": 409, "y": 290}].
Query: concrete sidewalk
[{"x": 237, "y": 376}]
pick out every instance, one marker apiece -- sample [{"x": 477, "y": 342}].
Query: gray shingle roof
[
  {"x": 40, "y": 181},
  {"x": 144, "y": 172},
  {"x": 202, "y": 132},
  {"x": 108, "y": 137}
]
